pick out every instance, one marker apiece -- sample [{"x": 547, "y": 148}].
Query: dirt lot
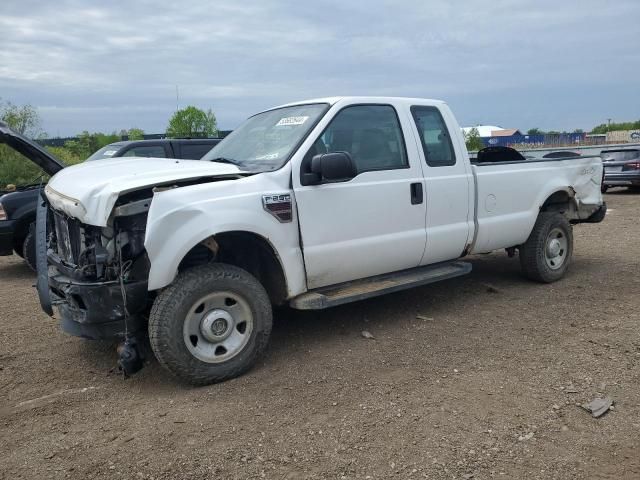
[{"x": 485, "y": 384}]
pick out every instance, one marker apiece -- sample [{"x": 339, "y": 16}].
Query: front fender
[{"x": 174, "y": 229}]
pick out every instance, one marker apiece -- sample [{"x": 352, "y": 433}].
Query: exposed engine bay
[{"x": 97, "y": 276}]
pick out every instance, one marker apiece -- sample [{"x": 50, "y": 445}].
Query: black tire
[
  {"x": 172, "y": 306},
  {"x": 29, "y": 248},
  {"x": 604, "y": 189},
  {"x": 533, "y": 253},
  {"x": 17, "y": 248}
]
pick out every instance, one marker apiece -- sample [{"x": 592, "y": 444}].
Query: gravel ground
[{"x": 476, "y": 377}]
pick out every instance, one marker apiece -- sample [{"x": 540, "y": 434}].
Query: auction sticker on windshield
[
  {"x": 109, "y": 153},
  {"x": 291, "y": 121}
]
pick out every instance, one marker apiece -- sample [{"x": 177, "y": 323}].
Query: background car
[
  {"x": 621, "y": 168},
  {"x": 184, "y": 148}
]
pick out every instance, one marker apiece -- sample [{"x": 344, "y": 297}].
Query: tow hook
[{"x": 130, "y": 359}]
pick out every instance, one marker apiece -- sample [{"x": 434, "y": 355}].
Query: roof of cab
[{"x": 334, "y": 100}]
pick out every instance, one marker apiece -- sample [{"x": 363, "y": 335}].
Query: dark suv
[
  {"x": 184, "y": 148},
  {"x": 621, "y": 168},
  {"x": 18, "y": 208}
]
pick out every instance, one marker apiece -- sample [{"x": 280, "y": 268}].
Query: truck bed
[{"x": 509, "y": 195}]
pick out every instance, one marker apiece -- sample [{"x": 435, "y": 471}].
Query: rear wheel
[
  {"x": 211, "y": 324},
  {"x": 546, "y": 254},
  {"x": 604, "y": 189}
]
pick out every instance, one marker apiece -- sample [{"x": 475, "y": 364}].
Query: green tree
[
  {"x": 473, "y": 140},
  {"x": 135, "y": 134},
  {"x": 14, "y": 168},
  {"x": 613, "y": 127},
  {"x": 535, "y": 131},
  {"x": 23, "y": 119},
  {"x": 87, "y": 143},
  {"x": 192, "y": 122}
]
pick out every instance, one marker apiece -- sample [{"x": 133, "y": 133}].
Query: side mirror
[{"x": 331, "y": 167}]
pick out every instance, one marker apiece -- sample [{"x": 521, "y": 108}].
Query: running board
[{"x": 347, "y": 292}]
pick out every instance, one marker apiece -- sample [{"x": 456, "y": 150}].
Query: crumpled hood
[{"x": 89, "y": 191}]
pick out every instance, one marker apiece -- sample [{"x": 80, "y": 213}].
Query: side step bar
[{"x": 353, "y": 291}]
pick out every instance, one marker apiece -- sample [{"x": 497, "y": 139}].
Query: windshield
[
  {"x": 267, "y": 140},
  {"x": 106, "y": 152}
]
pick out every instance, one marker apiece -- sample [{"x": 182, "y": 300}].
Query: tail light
[
  {"x": 3, "y": 213},
  {"x": 631, "y": 166}
]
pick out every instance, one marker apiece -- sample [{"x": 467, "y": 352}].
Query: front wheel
[
  {"x": 211, "y": 324},
  {"x": 546, "y": 254}
]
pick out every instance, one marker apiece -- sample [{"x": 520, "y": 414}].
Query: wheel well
[
  {"x": 21, "y": 229},
  {"x": 246, "y": 250},
  {"x": 562, "y": 202}
]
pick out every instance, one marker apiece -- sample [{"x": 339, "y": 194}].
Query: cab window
[
  {"x": 371, "y": 134},
  {"x": 434, "y": 136},
  {"x": 156, "y": 151}
]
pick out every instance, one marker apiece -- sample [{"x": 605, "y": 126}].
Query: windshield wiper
[{"x": 225, "y": 160}]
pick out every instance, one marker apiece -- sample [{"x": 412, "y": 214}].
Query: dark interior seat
[{"x": 374, "y": 150}]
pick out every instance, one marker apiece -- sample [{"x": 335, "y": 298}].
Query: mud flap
[{"x": 42, "y": 284}]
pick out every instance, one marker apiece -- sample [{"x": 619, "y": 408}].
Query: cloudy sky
[{"x": 103, "y": 66}]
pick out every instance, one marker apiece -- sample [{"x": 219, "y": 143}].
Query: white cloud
[{"x": 106, "y": 66}]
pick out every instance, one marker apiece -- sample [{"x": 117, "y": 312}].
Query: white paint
[
  {"x": 520, "y": 190},
  {"x": 95, "y": 186}
]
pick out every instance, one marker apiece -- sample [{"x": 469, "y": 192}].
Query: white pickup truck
[{"x": 311, "y": 204}]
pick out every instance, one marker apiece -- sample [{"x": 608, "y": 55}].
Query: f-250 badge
[{"x": 278, "y": 205}]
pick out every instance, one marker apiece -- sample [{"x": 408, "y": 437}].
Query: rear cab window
[
  {"x": 194, "y": 151},
  {"x": 434, "y": 136},
  {"x": 156, "y": 151},
  {"x": 620, "y": 155}
]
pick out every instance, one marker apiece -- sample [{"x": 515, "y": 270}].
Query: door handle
[{"x": 416, "y": 193}]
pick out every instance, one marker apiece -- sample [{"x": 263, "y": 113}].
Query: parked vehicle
[
  {"x": 19, "y": 207},
  {"x": 187, "y": 148},
  {"x": 311, "y": 204},
  {"x": 621, "y": 168}
]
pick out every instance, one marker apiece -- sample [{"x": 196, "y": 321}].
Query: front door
[{"x": 375, "y": 222}]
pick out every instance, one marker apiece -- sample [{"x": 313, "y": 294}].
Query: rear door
[
  {"x": 375, "y": 222},
  {"x": 449, "y": 185}
]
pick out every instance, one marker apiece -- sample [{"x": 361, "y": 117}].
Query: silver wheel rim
[
  {"x": 217, "y": 327},
  {"x": 556, "y": 249}
]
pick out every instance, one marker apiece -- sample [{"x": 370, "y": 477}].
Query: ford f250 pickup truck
[{"x": 311, "y": 204}]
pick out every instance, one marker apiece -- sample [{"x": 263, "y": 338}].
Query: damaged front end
[{"x": 97, "y": 276}]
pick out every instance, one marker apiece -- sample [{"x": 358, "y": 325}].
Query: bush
[{"x": 15, "y": 169}]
